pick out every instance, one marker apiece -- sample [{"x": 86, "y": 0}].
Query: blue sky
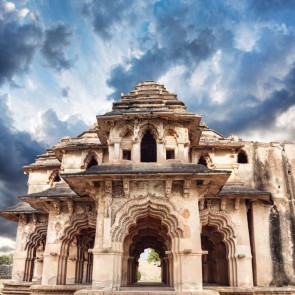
[{"x": 63, "y": 62}]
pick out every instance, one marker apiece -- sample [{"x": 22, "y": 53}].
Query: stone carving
[
  {"x": 107, "y": 207},
  {"x": 202, "y": 204},
  {"x": 186, "y": 189},
  {"x": 186, "y": 214},
  {"x": 222, "y": 204},
  {"x": 23, "y": 218},
  {"x": 57, "y": 206},
  {"x": 177, "y": 188},
  {"x": 126, "y": 188},
  {"x": 77, "y": 220},
  {"x": 237, "y": 204},
  {"x": 88, "y": 155},
  {"x": 70, "y": 205},
  {"x": 118, "y": 191},
  {"x": 168, "y": 187},
  {"x": 134, "y": 208},
  {"x": 108, "y": 188}
]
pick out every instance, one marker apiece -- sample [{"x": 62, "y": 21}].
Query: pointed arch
[
  {"x": 90, "y": 159},
  {"x": 35, "y": 240},
  {"x": 148, "y": 148},
  {"x": 54, "y": 177},
  {"x": 223, "y": 223},
  {"x": 148, "y": 126},
  {"x": 242, "y": 157},
  {"x": 149, "y": 205},
  {"x": 205, "y": 159},
  {"x": 73, "y": 227}
]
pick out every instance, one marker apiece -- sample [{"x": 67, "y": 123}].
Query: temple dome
[{"x": 149, "y": 96}]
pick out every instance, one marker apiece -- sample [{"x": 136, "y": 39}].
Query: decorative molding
[
  {"x": 57, "y": 206},
  {"x": 186, "y": 188},
  {"x": 168, "y": 187},
  {"x": 148, "y": 204},
  {"x": 126, "y": 186},
  {"x": 76, "y": 221}
]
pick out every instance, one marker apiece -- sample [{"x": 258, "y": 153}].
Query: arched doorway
[
  {"x": 35, "y": 249},
  {"x": 148, "y": 232},
  {"x": 214, "y": 263},
  {"x": 148, "y": 148},
  {"x": 75, "y": 262}
]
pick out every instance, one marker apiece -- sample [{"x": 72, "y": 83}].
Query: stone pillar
[
  {"x": 104, "y": 258},
  {"x": 261, "y": 237},
  {"x": 50, "y": 263},
  {"x": 19, "y": 261},
  {"x": 38, "y": 269},
  {"x": 136, "y": 152},
  {"x": 116, "y": 155},
  {"x": 161, "y": 155},
  {"x": 243, "y": 256},
  {"x": 181, "y": 156},
  {"x": 189, "y": 278}
]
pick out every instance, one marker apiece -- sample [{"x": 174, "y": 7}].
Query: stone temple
[{"x": 219, "y": 211}]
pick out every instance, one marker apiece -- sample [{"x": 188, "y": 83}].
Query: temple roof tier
[{"x": 12, "y": 213}]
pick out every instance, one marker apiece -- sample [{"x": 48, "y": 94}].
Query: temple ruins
[{"x": 218, "y": 210}]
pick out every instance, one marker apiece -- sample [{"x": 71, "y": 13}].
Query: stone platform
[{"x": 21, "y": 288}]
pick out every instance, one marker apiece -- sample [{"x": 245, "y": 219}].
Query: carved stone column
[{"x": 188, "y": 272}]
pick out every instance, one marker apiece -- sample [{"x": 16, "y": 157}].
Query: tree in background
[
  {"x": 6, "y": 259},
  {"x": 153, "y": 257}
]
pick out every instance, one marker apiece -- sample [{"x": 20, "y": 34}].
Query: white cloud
[
  {"x": 246, "y": 37},
  {"x": 8, "y": 243},
  {"x": 9, "y": 6}
]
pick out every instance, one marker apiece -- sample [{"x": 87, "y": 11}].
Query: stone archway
[
  {"x": 148, "y": 221},
  {"x": 36, "y": 241},
  {"x": 214, "y": 262},
  {"x": 81, "y": 230},
  {"x": 219, "y": 222},
  {"x": 149, "y": 232}
]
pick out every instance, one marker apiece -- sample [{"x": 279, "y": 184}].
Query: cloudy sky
[{"x": 63, "y": 62}]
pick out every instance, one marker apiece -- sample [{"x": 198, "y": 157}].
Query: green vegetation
[
  {"x": 6, "y": 259},
  {"x": 153, "y": 257}
]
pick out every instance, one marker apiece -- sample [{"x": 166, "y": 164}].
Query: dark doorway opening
[
  {"x": 214, "y": 264},
  {"x": 148, "y": 148},
  {"x": 202, "y": 161}
]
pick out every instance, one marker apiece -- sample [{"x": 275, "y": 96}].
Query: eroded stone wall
[{"x": 5, "y": 271}]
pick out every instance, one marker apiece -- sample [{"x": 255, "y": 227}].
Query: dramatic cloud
[
  {"x": 16, "y": 149},
  {"x": 56, "y": 40},
  {"x": 18, "y": 41},
  {"x": 106, "y": 14},
  {"x": 232, "y": 60},
  {"x": 50, "y": 129}
]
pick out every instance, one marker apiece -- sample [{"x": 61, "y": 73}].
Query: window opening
[
  {"x": 202, "y": 161},
  {"x": 242, "y": 158},
  {"x": 92, "y": 162},
  {"x": 170, "y": 154},
  {"x": 56, "y": 178},
  {"x": 126, "y": 155},
  {"x": 148, "y": 148}
]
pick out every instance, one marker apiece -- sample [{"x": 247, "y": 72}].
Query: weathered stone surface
[
  {"x": 5, "y": 271},
  {"x": 149, "y": 174}
]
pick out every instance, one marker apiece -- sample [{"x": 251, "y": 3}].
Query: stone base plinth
[
  {"x": 144, "y": 292},
  {"x": 55, "y": 290}
]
